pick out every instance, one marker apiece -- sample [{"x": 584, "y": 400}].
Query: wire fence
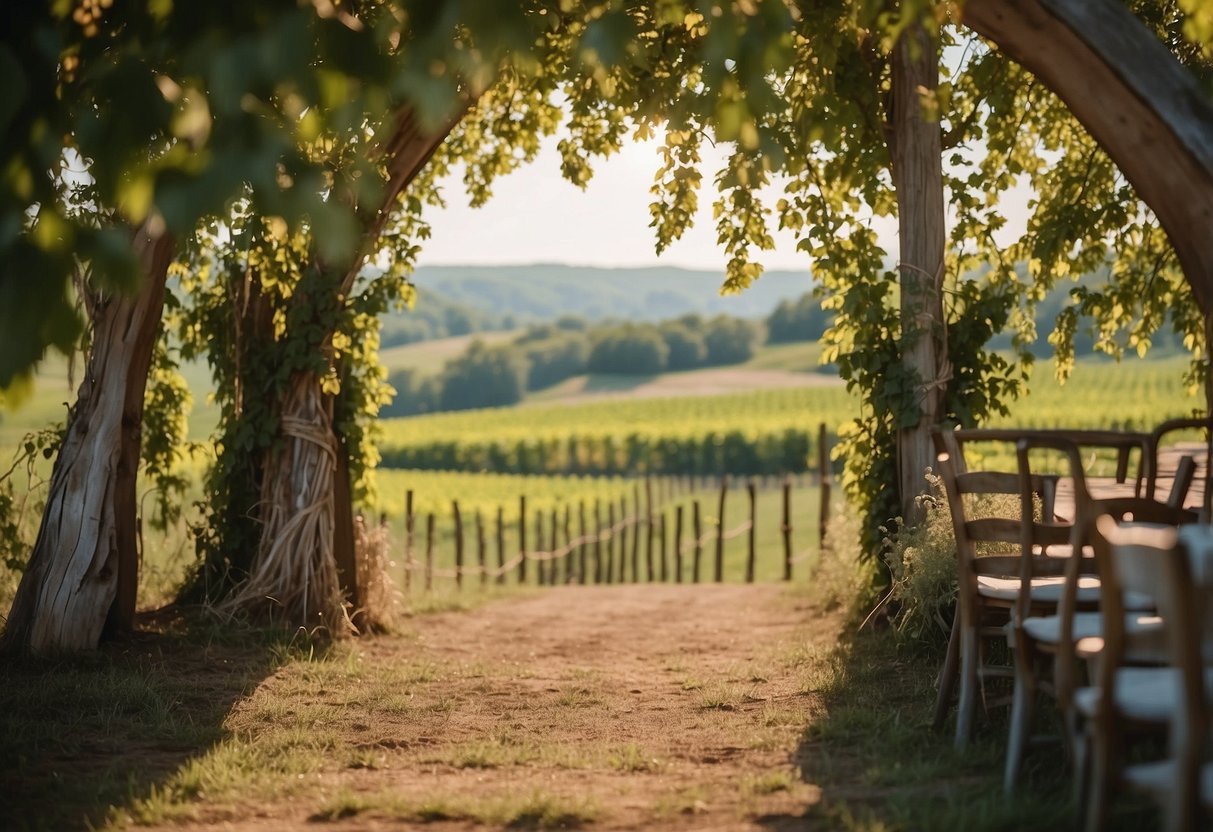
[{"x": 659, "y": 535}]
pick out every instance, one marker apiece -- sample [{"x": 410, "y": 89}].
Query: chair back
[
  {"x": 986, "y": 509},
  {"x": 1188, "y": 467}
]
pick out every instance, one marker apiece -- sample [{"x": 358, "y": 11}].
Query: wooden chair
[
  {"x": 1183, "y": 781},
  {"x": 1048, "y": 647},
  {"x": 986, "y": 509},
  {"x": 1041, "y": 631},
  {"x": 1188, "y": 467},
  {"x": 1144, "y": 558}
]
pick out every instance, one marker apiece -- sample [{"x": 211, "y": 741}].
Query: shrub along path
[{"x": 605, "y": 707}]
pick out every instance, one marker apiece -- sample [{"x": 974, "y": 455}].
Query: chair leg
[
  {"x": 1023, "y": 703},
  {"x": 1021, "y": 728},
  {"x": 1081, "y": 746},
  {"x": 970, "y": 658},
  {"x": 947, "y": 677},
  {"x": 1100, "y": 768}
]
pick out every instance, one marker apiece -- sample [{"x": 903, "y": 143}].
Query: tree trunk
[
  {"x": 918, "y": 178},
  {"x": 295, "y": 571},
  {"x": 294, "y": 576},
  {"x": 84, "y": 566}
]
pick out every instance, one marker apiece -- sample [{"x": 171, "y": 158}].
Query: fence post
[
  {"x": 724, "y": 490},
  {"x": 409, "y": 522},
  {"x": 610, "y": 542},
  {"x": 581, "y": 550},
  {"x": 429, "y": 551},
  {"x": 480, "y": 561},
  {"x": 636, "y": 519},
  {"x": 823, "y": 468},
  {"x": 648, "y": 526},
  {"x": 786, "y": 528},
  {"x": 569, "y": 557},
  {"x": 752, "y": 556},
  {"x": 665, "y": 564},
  {"x": 678, "y": 544},
  {"x": 697, "y": 517},
  {"x": 500, "y": 545},
  {"x": 522, "y": 539},
  {"x": 540, "y": 566},
  {"x": 458, "y": 544},
  {"x": 623, "y": 538},
  {"x": 597, "y": 540},
  {"x": 552, "y": 564}
]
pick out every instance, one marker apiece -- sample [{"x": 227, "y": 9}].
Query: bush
[
  {"x": 802, "y": 320},
  {"x": 415, "y": 394},
  {"x": 555, "y": 359},
  {"x": 483, "y": 377},
  {"x": 687, "y": 349},
  {"x": 629, "y": 350},
  {"x": 729, "y": 340},
  {"x": 922, "y": 566}
]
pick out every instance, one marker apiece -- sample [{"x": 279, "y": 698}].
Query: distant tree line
[
  {"x": 439, "y": 317},
  {"x": 546, "y": 354}
]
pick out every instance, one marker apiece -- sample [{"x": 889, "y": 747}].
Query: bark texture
[
  {"x": 1133, "y": 97},
  {"x": 918, "y": 177},
  {"x": 84, "y": 566},
  {"x": 295, "y": 570}
]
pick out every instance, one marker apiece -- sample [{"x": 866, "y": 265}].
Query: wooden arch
[{"x": 1142, "y": 106}]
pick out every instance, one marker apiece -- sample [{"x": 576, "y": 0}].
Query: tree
[
  {"x": 552, "y": 360},
  {"x": 628, "y": 350},
  {"x": 483, "y": 376},
  {"x": 799, "y": 320},
  {"x": 729, "y": 340},
  {"x": 686, "y": 348}
]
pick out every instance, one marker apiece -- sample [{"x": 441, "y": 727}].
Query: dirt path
[{"x": 634, "y": 707}]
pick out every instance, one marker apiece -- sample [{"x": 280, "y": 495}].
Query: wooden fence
[{"x": 614, "y": 542}]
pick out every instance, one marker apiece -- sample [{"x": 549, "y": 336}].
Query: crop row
[{"x": 762, "y": 432}]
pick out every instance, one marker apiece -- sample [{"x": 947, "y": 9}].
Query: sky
[{"x": 535, "y": 216}]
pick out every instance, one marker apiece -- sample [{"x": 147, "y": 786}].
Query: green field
[{"x": 611, "y": 435}]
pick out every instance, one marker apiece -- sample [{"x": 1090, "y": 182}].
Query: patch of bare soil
[{"x": 624, "y": 707}]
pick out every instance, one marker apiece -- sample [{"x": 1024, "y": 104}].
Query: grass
[{"x": 537, "y": 810}]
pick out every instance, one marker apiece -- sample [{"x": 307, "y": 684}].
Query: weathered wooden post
[
  {"x": 569, "y": 557},
  {"x": 665, "y": 564},
  {"x": 786, "y": 528},
  {"x": 624, "y": 523},
  {"x": 724, "y": 490},
  {"x": 540, "y": 567},
  {"x": 678, "y": 544},
  {"x": 581, "y": 550},
  {"x": 636, "y": 519},
  {"x": 597, "y": 540},
  {"x": 500, "y": 545},
  {"x": 823, "y": 469},
  {"x": 409, "y": 522},
  {"x": 480, "y": 559},
  {"x": 522, "y": 539},
  {"x": 610, "y": 543},
  {"x": 458, "y": 544},
  {"x": 697, "y": 519},
  {"x": 553, "y": 561},
  {"x": 429, "y": 551},
  {"x": 752, "y": 554},
  {"x": 648, "y": 526}
]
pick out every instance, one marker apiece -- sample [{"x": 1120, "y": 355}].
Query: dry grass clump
[{"x": 382, "y": 605}]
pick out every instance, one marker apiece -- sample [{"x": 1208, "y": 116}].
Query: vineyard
[{"x": 765, "y": 432}]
